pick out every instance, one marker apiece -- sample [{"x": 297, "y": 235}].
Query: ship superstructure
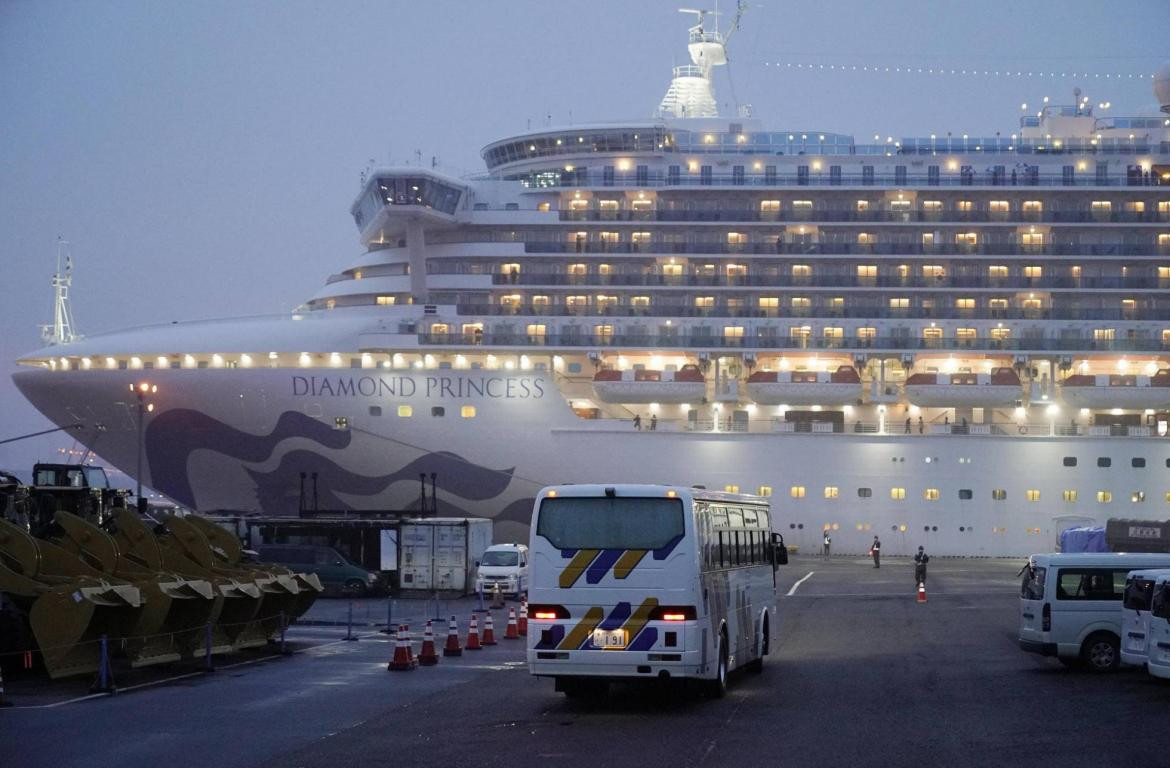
[{"x": 957, "y": 341}]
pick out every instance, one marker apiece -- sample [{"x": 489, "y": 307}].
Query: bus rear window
[
  {"x": 1160, "y": 602},
  {"x": 1032, "y": 587},
  {"x": 610, "y": 522},
  {"x": 1138, "y": 593}
]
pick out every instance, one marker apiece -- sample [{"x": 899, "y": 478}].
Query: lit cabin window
[
  {"x": 605, "y": 302},
  {"x": 930, "y": 494},
  {"x": 928, "y": 238},
  {"x": 1165, "y": 336},
  {"x": 964, "y": 303},
  {"x": 801, "y": 270},
  {"x": 672, "y": 270},
  {"x": 641, "y": 238},
  {"x": 866, "y": 238},
  {"x": 897, "y": 494},
  {"x": 405, "y": 411},
  {"x": 510, "y": 300},
  {"x": 837, "y": 302},
  {"x": 603, "y": 332},
  {"x": 467, "y": 411},
  {"x": 1033, "y": 270},
  {"x": 997, "y": 270},
  {"x": 867, "y": 270},
  {"x": 769, "y": 206},
  {"x": 834, "y": 332},
  {"x": 1101, "y": 206},
  {"x": 967, "y": 238},
  {"x": 998, "y": 304},
  {"x": 1069, "y": 496},
  {"x": 736, "y": 270},
  {"x": 1000, "y": 334},
  {"x": 801, "y": 302},
  {"x": 731, "y": 488},
  {"x": 540, "y": 301},
  {"x": 576, "y": 302},
  {"x": 867, "y": 333},
  {"x": 536, "y": 332},
  {"x": 799, "y": 332},
  {"x": 704, "y": 302},
  {"x": 998, "y": 494},
  {"x": 802, "y": 205},
  {"x": 1163, "y": 241},
  {"x": 1104, "y": 334},
  {"x": 932, "y": 206},
  {"x": 605, "y": 269},
  {"x": 965, "y": 334},
  {"x": 999, "y": 206},
  {"x": 1135, "y": 206},
  {"x": 764, "y": 490},
  {"x": 640, "y": 301},
  {"x": 769, "y": 302},
  {"x": 832, "y": 491},
  {"x": 899, "y": 303},
  {"x": 578, "y": 205},
  {"x": 733, "y": 333},
  {"x": 933, "y": 270},
  {"x": 610, "y": 238},
  {"x": 607, "y": 205},
  {"x": 796, "y": 491},
  {"x": 1104, "y": 497},
  {"x": 964, "y": 206},
  {"x": 1137, "y": 497},
  {"x": 543, "y": 207},
  {"x": 385, "y": 301},
  {"x": 1033, "y": 206},
  {"x": 736, "y": 238}
]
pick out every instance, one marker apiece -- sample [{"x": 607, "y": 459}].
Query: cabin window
[
  {"x": 1104, "y": 461},
  {"x": 731, "y": 488},
  {"x": 831, "y": 491},
  {"x": 1070, "y": 461},
  {"x": 930, "y": 494},
  {"x": 966, "y": 494},
  {"x": 796, "y": 491},
  {"x": 764, "y": 490},
  {"x": 897, "y": 493},
  {"x": 405, "y": 411},
  {"x": 997, "y": 270},
  {"x": 467, "y": 411},
  {"x": 864, "y": 493},
  {"x": 1032, "y": 494},
  {"x": 1070, "y": 496},
  {"x": 438, "y": 411},
  {"x": 1104, "y": 497},
  {"x": 1137, "y": 497},
  {"x": 998, "y": 494},
  {"x": 1137, "y": 462}
]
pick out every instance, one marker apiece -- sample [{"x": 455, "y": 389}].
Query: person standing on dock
[
  {"x": 828, "y": 542},
  {"x": 920, "y": 561},
  {"x": 875, "y": 549}
]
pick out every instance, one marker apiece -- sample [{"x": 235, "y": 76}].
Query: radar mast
[
  {"x": 691, "y": 92},
  {"x": 61, "y": 330}
]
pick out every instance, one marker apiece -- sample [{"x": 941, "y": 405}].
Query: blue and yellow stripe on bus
[
  {"x": 595, "y": 563},
  {"x": 580, "y": 637}
]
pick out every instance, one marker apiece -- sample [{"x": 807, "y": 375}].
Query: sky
[{"x": 200, "y": 157}]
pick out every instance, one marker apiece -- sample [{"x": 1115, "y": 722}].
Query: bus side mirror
[{"x": 779, "y": 551}]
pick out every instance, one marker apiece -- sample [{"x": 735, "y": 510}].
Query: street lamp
[{"x": 141, "y": 390}]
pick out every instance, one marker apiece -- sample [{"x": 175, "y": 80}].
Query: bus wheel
[
  {"x": 1100, "y": 652},
  {"x": 717, "y": 688},
  {"x": 756, "y": 665}
]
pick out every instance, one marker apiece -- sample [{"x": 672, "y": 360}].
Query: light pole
[{"x": 143, "y": 407}]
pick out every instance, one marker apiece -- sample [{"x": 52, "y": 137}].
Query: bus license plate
[{"x": 608, "y": 639}]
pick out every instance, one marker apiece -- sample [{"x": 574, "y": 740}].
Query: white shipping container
[{"x": 439, "y": 554}]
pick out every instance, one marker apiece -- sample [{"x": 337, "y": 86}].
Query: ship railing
[
  {"x": 842, "y": 248},
  {"x": 808, "y": 178},
  {"x": 861, "y": 311},
  {"x": 701, "y": 341},
  {"x": 876, "y": 216},
  {"x": 736, "y": 423}
]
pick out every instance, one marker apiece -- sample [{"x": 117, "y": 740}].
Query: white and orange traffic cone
[
  {"x": 497, "y": 598},
  {"x": 473, "y": 635},
  {"x": 427, "y": 656},
  {"x": 489, "y": 631},
  {"x": 522, "y": 622},
  {"x": 452, "y": 648},
  {"x": 403, "y": 660},
  {"x": 921, "y": 592},
  {"x": 512, "y": 631}
]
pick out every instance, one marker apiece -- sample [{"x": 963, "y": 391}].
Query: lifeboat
[
  {"x": 1117, "y": 391},
  {"x": 841, "y": 387},
  {"x": 686, "y": 385},
  {"x": 998, "y": 389}
]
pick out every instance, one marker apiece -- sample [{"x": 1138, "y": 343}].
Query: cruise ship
[{"x": 958, "y": 342}]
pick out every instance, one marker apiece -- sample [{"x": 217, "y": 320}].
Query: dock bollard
[
  {"x": 389, "y": 630},
  {"x": 349, "y": 625},
  {"x": 105, "y": 679},
  {"x": 207, "y": 667},
  {"x": 3, "y": 701}
]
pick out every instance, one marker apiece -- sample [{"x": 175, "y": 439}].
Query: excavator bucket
[
  {"x": 175, "y": 609},
  {"x": 69, "y": 604}
]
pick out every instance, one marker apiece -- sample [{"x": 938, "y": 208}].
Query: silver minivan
[
  {"x": 1135, "y": 615},
  {"x": 1070, "y": 605}
]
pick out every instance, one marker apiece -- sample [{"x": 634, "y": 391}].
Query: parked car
[{"x": 335, "y": 571}]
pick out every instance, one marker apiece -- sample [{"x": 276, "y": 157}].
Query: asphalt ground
[{"x": 861, "y": 675}]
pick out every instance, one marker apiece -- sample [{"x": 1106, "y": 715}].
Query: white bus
[{"x": 649, "y": 581}]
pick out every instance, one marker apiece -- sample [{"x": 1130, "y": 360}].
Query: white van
[
  {"x": 505, "y": 565},
  {"x": 1135, "y": 615},
  {"x": 1070, "y": 605},
  {"x": 1158, "y": 663}
]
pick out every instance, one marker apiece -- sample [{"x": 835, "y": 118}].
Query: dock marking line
[{"x": 807, "y": 576}]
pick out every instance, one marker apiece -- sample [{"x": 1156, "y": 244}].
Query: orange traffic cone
[
  {"x": 522, "y": 624},
  {"x": 512, "y": 631},
  {"x": 473, "y": 635},
  {"x": 489, "y": 632},
  {"x": 921, "y": 592},
  {"x": 452, "y": 648},
  {"x": 403, "y": 660},
  {"x": 427, "y": 656}
]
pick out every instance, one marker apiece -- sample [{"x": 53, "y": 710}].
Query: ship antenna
[{"x": 61, "y": 331}]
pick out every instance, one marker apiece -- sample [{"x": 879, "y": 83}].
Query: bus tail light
[
  {"x": 548, "y": 612},
  {"x": 1046, "y": 618},
  {"x": 673, "y": 613}
]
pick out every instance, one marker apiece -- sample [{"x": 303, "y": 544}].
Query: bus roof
[
  {"x": 639, "y": 489},
  {"x": 1136, "y": 560}
]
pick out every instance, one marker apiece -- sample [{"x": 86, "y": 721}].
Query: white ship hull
[{"x": 239, "y": 439}]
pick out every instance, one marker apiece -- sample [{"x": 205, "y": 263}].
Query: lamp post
[{"x": 144, "y": 407}]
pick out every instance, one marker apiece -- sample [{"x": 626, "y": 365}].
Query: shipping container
[{"x": 440, "y": 554}]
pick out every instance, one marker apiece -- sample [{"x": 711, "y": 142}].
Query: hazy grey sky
[{"x": 201, "y": 157}]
